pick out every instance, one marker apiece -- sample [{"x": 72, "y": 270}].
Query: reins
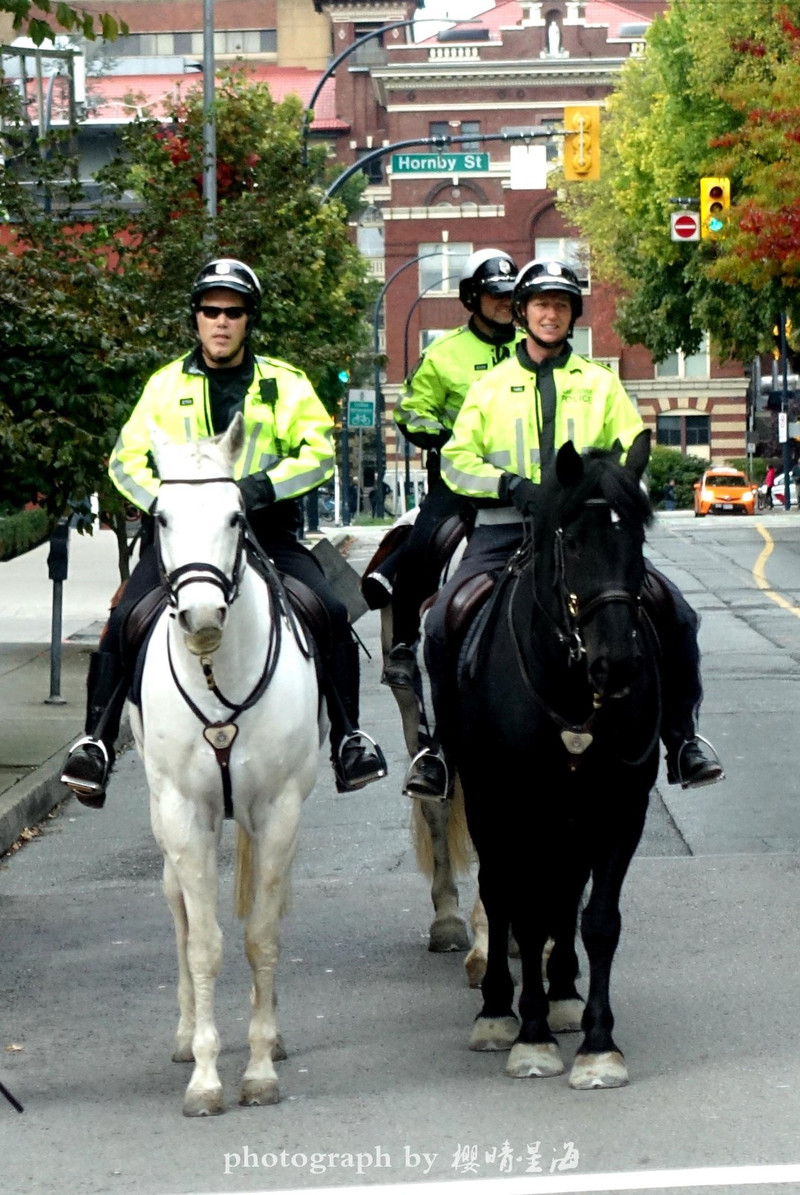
[{"x": 221, "y": 734}]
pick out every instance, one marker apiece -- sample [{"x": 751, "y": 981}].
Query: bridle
[
  {"x": 574, "y": 616},
  {"x": 186, "y": 574}
]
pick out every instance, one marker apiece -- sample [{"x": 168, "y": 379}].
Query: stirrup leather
[{"x": 88, "y": 787}]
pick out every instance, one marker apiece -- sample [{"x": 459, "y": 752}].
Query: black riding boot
[
  {"x": 356, "y": 757},
  {"x": 89, "y": 763}
]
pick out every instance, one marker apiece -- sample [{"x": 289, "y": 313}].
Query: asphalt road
[{"x": 379, "y": 1086}]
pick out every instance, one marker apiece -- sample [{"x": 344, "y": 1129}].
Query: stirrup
[
  {"x": 697, "y": 738},
  {"x": 418, "y": 794},
  {"x": 353, "y": 739},
  {"x": 85, "y": 787}
]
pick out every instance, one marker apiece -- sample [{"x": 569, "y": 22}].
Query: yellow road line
[{"x": 760, "y": 577}]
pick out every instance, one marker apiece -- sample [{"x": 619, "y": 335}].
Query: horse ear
[
  {"x": 569, "y": 465},
  {"x": 159, "y": 441},
  {"x": 639, "y": 454},
  {"x": 232, "y": 442}
]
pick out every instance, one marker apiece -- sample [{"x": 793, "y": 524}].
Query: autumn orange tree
[{"x": 714, "y": 94}]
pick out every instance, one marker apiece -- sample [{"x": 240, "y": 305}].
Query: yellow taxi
[{"x": 724, "y": 491}]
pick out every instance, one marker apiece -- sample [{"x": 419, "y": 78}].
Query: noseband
[
  {"x": 574, "y": 615},
  {"x": 186, "y": 574}
]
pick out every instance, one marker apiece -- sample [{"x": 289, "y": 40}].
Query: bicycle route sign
[{"x": 360, "y": 408}]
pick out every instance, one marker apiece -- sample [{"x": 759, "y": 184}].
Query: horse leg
[
  {"x": 496, "y": 1026},
  {"x": 448, "y": 930},
  {"x": 535, "y": 1052},
  {"x": 566, "y": 1003},
  {"x": 186, "y": 1019},
  {"x": 599, "y": 1062},
  {"x": 194, "y": 867},
  {"x": 475, "y": 962},
  {"x": 275, "y": 847}
]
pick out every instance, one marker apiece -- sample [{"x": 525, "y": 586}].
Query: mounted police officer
[
  {"x": 427, "y": 410},
  {"x": 506, "y": 435},
  {"x": 288, "y": 452}
]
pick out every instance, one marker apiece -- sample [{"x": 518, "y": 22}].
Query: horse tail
[
  {"x": 450, "y": 819},
  {"x": 243, "y": 874}
]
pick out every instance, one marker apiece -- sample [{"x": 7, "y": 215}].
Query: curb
[{"x": 31, "y": 799}]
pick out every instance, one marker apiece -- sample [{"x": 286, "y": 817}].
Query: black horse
[{"x": 559, "y": 715}]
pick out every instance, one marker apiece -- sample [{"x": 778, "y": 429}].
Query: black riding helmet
[
  {"x": 486, "y": 272},
  {"x": 544, "y": 274},
  {"x": 230, "y": 274}
]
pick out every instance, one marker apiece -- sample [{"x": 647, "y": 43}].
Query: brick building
[{"x": 513, "y": 69}]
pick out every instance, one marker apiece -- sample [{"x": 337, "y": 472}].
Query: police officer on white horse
[{"x": 288, "y": 451}]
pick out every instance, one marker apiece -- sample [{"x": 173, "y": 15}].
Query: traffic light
[
  {"x": 582, "y": 142},
  {"x": 715, "y": 203},
  {"x": 344, "y": 376}
]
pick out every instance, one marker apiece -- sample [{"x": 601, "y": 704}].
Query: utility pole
[{"x": 209, "y": 122}]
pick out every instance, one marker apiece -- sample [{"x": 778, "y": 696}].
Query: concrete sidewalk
[{"x": 40, "y": 720}]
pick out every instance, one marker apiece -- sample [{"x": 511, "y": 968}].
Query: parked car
[
  {"x": 724, "y": 491},
  {"x": 779, "y": 492}
]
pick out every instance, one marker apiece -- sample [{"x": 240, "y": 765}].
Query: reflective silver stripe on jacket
[
  {"x": 137, "y": 493},
  {"x": 468, "y": 481},
  {"x": 301, "y": 483}
]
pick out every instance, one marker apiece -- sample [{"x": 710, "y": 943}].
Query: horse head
[
  {"x": 199, "y": 519},
  {"x": 595, "y": 513}
]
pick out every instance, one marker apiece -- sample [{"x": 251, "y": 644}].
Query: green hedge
[{"x": 22, "y": 531}]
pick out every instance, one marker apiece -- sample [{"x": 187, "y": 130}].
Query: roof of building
[
  {"x": 508, "y": 13},
  {"x": 116, "y": 99}
]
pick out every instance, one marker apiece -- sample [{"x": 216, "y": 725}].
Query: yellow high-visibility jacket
[
  {"x": 497, "y": 430},
  {"x": 432, "y": 395},
  {"x": 288, "y": 432}
]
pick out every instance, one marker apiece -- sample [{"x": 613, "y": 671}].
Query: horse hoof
[
  {"x": 259, "y": 1091},
  {"x": 448, "y": 934},
  {"x": 494, "y": 1033},
  {"x": 565, "y": 1015},
  {"x": 475, "y": 967},
  {"x": 539, "y": 1059},
  {"x": 590, "y": 1071},
  {"x": 279, "y": 1050},
  {"x": 203, "y": 1103}
]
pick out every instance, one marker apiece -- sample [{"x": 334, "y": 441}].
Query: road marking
[
  {"x": 760, "y": 577},
  {"x": 568, "y": 1184}
]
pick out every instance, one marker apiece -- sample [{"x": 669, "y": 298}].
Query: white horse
[{"x": 229, "y": 714}]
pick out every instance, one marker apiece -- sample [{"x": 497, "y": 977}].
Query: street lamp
[
  {"x": 209, "y": 124},
  {"x": 346, "y": 52},
  {"x": 379, "y": 454}
]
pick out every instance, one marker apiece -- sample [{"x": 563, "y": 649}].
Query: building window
[
  {"x": 678, "y": 365},
  {"x": 568, "y": 250},
  {"x": 470, "y": 128},
  {"x": 581, "y": 340},
  {"x": 683, "y": 432},
  {"x": 440, "y": 266},
  {"x": 428, "y": 335},
  {"x": 372, "y": 52},
  {"x": 231, "y": 41},
  {"x": 374, "y": 169},
  {"x": 466, "y": 128},
  {"x": 553, "y": 144}
]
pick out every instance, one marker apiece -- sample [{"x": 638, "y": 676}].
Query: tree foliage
[
  {"x": 41, "y": 19},
  {"x": 93, "y": 305},
  {"x": 714, "y": 94}
]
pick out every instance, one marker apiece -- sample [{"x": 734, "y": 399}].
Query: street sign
[
  {"x": 360, "y": 408},
  {"x": 441, "y": 163},
  {"x": 684, "y": 226}
]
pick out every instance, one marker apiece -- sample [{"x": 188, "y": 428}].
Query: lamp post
[
  {"x": 379, "y": 454},
  {"x": 209, "y": 124},
  {"x": 411, "y": 310},
  {"x": 345, "y": 53}
]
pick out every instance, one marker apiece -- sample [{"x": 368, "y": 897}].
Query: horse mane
[{"x": 605, "y": 477}]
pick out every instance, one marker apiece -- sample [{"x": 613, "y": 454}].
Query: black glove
[
  {"x": 257, "y": 491},
  {"x": 523, "y": 493}
]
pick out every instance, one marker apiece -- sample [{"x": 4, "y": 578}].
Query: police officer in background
[
  {"x": 509, "y": 429},
  {"x": 288, "y": 452},
  {"x": 427, "y": 410}
]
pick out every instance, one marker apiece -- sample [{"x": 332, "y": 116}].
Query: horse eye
[
  {"x": 161, "y": 518},
  {"x": 236, "y": 518},
  {"x": 614, "y": 516}
]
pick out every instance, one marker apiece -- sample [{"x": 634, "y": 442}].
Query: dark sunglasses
[{"x": 229, "y": 312}]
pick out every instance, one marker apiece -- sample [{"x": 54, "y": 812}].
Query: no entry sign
[{"x": 684, "y": 226}]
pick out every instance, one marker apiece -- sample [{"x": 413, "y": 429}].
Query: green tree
[
  {"x": 702, "y": 100},
  {"x": 93, "y": 307},
  {"x": 41, "y": 19}
]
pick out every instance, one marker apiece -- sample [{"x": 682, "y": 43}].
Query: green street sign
[
  {"x": 361, "y": 409},
  {"x": 440, "y": 163}
]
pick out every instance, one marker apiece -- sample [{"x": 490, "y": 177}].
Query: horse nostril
[{"x": 183, "y": 621}]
